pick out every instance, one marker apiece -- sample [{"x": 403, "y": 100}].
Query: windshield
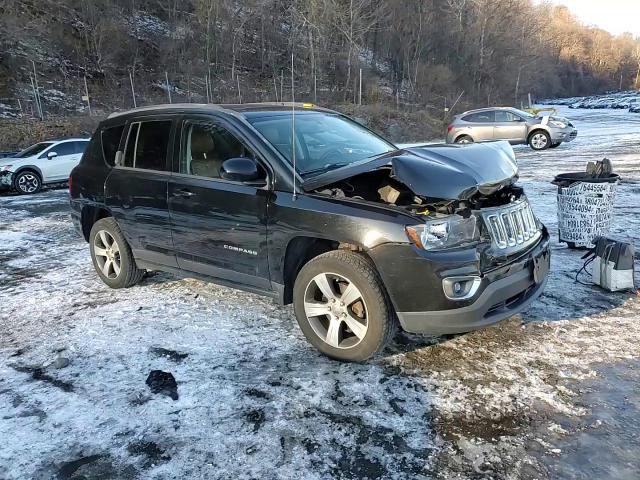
[
  {"x": 33, "y": 150},
  {"x": 523, "y": 113},
  {"x": 324, "y": 141}
]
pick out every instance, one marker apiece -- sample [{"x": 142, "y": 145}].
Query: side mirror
[
  {"x": 240, "y": 169},
  {"x": 118, "y": 160},
  {"x": 51, "y": 155}
]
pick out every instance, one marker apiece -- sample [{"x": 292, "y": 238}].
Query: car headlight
[
  {"x": 445, "y": 232},
  {"x": 558, "y": 124},
  {"x": 5, "y": 168}
]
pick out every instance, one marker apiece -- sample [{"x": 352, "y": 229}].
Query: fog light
[{"x": 461, "y": 288}]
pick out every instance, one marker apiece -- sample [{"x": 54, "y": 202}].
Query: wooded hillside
[{"x": 418, "y": 54}]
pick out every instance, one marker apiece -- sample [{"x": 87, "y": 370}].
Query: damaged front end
[
  {"x": 6, "y": 179},
  {"x": 460, "y": 196}
]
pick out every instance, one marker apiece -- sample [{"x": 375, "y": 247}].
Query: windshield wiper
[{"x": 327, "y": 167}]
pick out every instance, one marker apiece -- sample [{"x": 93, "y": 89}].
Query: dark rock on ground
[{"x": 163, "y": 383}]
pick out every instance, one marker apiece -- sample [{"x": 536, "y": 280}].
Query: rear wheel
[
  {"x": 342, "y": 307},
  {"x": 111, "y": 255},
  {"x": 27, "y": 182},
  {"x": 539, "y": 140},
  {"x": 464, "y": 139}
]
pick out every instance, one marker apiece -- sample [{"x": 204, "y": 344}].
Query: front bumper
[
  {"x": 6, "y": 180},
  {"x": 559, "y": 135},
  {"x": 422, "y": 307}
]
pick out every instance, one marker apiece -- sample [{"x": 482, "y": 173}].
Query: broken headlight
[
  {"x": 445, "y": 232},
  {"x": 557, "y": 123}
]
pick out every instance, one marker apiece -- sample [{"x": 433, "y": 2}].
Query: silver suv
[{"x": 511, "y": 124}]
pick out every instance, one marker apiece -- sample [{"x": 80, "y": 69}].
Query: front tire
[
  {"x": 342, "y": 307},
  {"x": 27, "y": 182},
  {"x": 539, "y": 140},
  {"x": 111, "y": 255}
]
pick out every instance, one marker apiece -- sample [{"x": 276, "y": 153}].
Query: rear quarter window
[{"x": 110, "y": 141}]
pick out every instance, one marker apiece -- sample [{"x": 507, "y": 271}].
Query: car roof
[
  {"x": 244, "y": 109},
  {"x": 488, "y": 109}
]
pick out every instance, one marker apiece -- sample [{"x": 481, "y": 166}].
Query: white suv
[{"x": 44, "y": 162}]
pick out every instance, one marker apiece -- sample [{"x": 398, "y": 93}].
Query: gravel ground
[{"x": 548, "y": 394}]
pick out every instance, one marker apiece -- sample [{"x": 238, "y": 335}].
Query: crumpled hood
[{"x": 456, "y": 171}]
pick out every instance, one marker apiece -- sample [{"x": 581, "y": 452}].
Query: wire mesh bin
[{"x": 585, "y": 207}]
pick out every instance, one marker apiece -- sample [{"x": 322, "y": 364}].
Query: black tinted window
[
  {"x": 480, "y": 117},
  {"x": 66, "y": 148},
  {"x": 206, "y": 146},
  {"x": 152, "y": 146},
  {"x": 110, "y": 142}
]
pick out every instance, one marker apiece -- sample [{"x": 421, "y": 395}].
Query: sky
[{"x": 615, "y": 16}]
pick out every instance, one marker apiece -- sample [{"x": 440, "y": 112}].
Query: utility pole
[
  {"x": 281, "y": 84},
  {"x": 360, "y": 90},
  {"x": 86, "y": 94},
  {"x": 166, "y": 77},
  {"x": 275, "y": 87},
  {"x": 133, "y": 92}
]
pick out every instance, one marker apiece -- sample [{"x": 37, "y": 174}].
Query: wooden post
[
  {"x": 133, "y": 92},
  {"x": 36, "y": 90},
  {"x": 86, "y": 93},
  {"x": 35, "y": 98},
  {"x": 166, "y": 77}
]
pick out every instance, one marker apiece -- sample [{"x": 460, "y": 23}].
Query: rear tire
[
  {"x": 539, "y": 140},
  {"x": 111, "y": 255},
  {"x": 342, "y": 307},
  {"x": 27, "y": 182},
  {"x": 463, "y": 139}
]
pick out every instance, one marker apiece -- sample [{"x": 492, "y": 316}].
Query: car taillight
[
  {"x": 70, "y": 182},
  {"x": 449, "y": 128}
]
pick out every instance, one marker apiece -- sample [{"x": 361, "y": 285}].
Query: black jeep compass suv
[{"x": 307, "y": 206}]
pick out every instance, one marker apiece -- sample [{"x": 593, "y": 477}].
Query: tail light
[
  {"x": 449, "y": 128},
  {"x": 70, "y": 182}
]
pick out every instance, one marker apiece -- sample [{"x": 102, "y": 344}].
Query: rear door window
[
  {"x": 147, "y": 145},
  {"x": 80, "y": 147},
  {"x": 480, "y": 117}
]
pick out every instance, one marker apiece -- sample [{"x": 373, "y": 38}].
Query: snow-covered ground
[{"x": 549, "y": 394}]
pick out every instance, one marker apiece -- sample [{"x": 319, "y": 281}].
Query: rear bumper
[{"x": 504, "y": 291}]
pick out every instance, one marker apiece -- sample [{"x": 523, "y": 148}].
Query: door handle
[{"x": 183, "y": 193}]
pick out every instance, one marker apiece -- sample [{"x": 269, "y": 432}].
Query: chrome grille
[{"x": 512, "y": 225}]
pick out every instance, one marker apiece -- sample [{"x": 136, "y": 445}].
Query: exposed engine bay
[
  {"x": 380, "y": 186},
  {"x": 431, "y": 180}
]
